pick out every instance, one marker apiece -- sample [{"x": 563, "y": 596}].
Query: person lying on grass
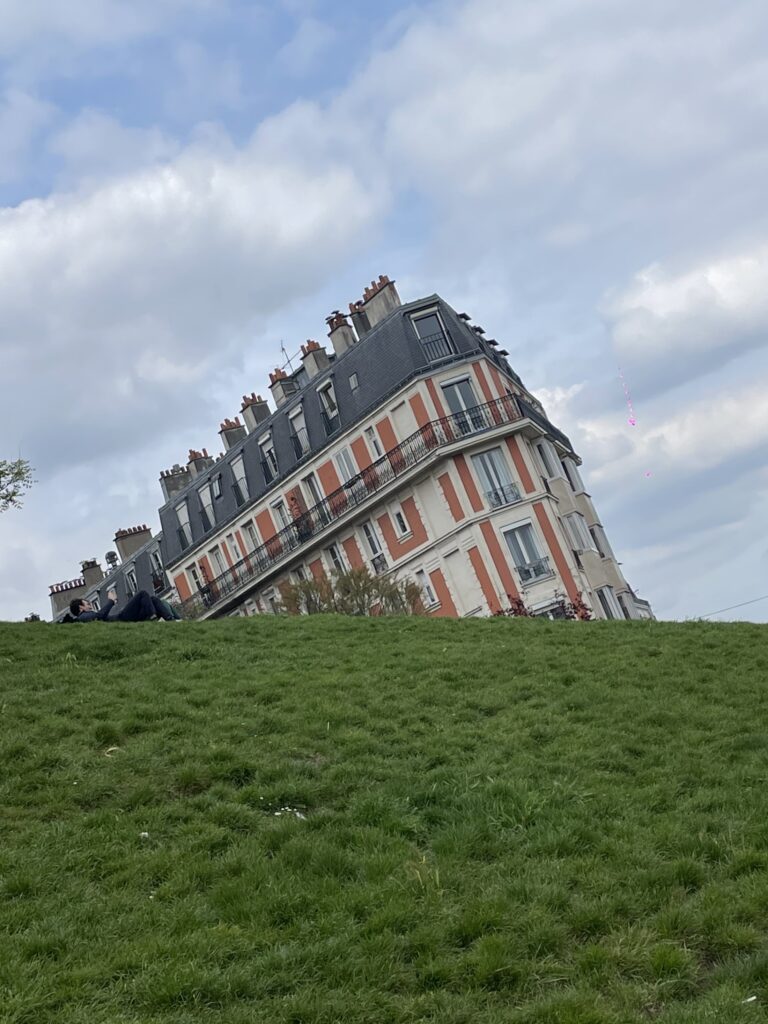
[{"x": 141, "y": 607}]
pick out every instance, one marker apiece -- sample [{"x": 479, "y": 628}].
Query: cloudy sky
[{"x": 184, "y": 184}]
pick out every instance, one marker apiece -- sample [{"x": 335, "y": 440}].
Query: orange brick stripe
[
  {"x": 451, "y": 497},
  {"x": 447, "y": 608},
  {"x": 397, "y": 547},
  {"x": 520, "y": 465},
  {"x": 485, "y": 387},
  {"x": 484, "y": 579},
  {"x": 468, "y": 482},
  {"x": 182, "y": 587},
  {"x": 557, "y": 552},
  {"x": 499, "y": 561},
  {"x": 352, "y": 551},
  {"x": 419, "y": 410}
]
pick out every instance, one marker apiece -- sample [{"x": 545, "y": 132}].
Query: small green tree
[
  {"x": 356, "y": 592},
  {"x": 15, "y": 479}
]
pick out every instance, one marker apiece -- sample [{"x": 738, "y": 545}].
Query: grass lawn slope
[{"x": 319, "y": 820}]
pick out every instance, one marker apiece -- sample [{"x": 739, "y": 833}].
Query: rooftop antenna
[{"x": 287, "y": 357}]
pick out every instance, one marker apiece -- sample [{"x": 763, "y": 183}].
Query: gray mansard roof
[{"x": 383, "y": 360}]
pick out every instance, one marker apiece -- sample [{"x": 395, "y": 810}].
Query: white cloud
[
  {"x": 95, "y": 145},
  {"x": 708, "y": 313},
  {"x": 310, "y": 41}
]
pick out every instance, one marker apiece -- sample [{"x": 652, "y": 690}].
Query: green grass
[{"x": 501, "y": 821}]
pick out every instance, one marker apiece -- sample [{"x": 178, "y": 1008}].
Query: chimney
[
  {"x": 231, "y": 431},
  {"x": 378, "y": 301},
  {"x": 129, "y": 541},
  {"x": 62, "y": 593},
  {"x": 198, "y": 462},
  {"x": 173, "y": 480},
  {"x": 314, "y": 359},
  {"x": 111, "y": 559},
  {"x": 254, "y": 410},
  {"x": 340, "y": 332},
  {"x": 282, "y": 386},
  {"x": 92, "y": 572}
]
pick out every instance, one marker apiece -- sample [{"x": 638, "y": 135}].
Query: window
[
  {"x": 268, "y": 458},
  {"x": 624, "y": 609},
  {"x": 185, "y": 533},
  {"x": 216, "y": 485},
  {"x": 251, "y": 535},
  {"x": 335, "y": 558},
  {"x": 130, "y": 581},
  {"x": 313, "y": 490},
  {"x": 430, "y": 601},
  {"x": 401, "y": 523},
  {"x": 299, "y": 574},
  {"x": 346, "y": 465},
  {"x": 597, "y": 533},
  {"x": 206, "y": 507},
  {"x": 491, "y": 467},
  {"x": 234, "y": 547},
  {"x": 241, "y": 482},
  {"x": 608, "y": 603},
  {"x": 97, "y": 603},
  {"x": 156, "y": 560},
  {"x": 281, "y": 514},
  {"x": 218, "y": 561},
  {"x": 548, "y": 458},
  {"x": 432, "y": 335},
  {"x": 329, "y": 410},
  {"x": 573, "y": 475},
  {"x": 373, "y": 442},
  {"x": 194, "y": 576},
  {"x": 378, "y": 561},
  {"x": 272, "y": 603},
  {"x": 528, "y": 560},
  {"x": 299, "y": 436},
  {"x": 354, "y": 383},
  {"x": 462, "y": 402},
  {"x": 580, "y": 535}
]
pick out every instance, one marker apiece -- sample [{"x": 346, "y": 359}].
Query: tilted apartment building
[{"x": 410, "y": 448}]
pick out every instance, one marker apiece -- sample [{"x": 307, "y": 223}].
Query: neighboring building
[{"x": 412, "y": 448}]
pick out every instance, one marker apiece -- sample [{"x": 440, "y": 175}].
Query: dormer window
[
  {"x": 206, "y": 506},
  {"x": 184, "y": 531},
  {"x": 268, "y": 458},
  {"x": 329, "y": 410},
  {"x": 433, "y": 336}
]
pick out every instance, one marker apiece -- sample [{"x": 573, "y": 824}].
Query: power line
[{"x": 731, "y": 607}]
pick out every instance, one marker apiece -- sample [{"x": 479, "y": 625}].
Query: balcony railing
[
  {"x": 535, "y": 570},
  {"x": 413, "y": 450},
  {"x": 437, "y": 346},
  {"x": 300, "y": 442},
  {"x": 506, "y": 495},
  {"x": 331, "y": 422}
]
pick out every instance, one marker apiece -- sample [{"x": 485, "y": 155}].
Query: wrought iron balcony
[
  {"x": 355, "y": 492},
  {"x": 331, "y": 422},
  {"x": 535, "y": 570},
  {"x": 506, "y": 495},
  {"x": 300, "y": 442},
  {"x": 437, "y": 346}
]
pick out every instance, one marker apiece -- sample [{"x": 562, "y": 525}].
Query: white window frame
[
  {"x": 323, "y": 391},
  {"x": 421, "y": 314},
  {"x": 298, "y": 425},
  {"x": 238, "y": 472},
  {"x": 218, "y": 559},
  {"x": 373, "y": 442},
  {"x": 234, "y": 547},
  {"x": 371, "y": 537},
  {"x": 354, "y": 386},
  {"x": 216, "y": 485},
  {"x": 314, "y": 489},
  {"x": 346, "y": 465},
  {"x": 183, "y": 520},
  {"x": 494, "y": 475},
  {"x": 573, "y": 475},
  {"x": 96, "y": 602},
  {"x": 193, "y": 574},
  {"x": 207, "y": 506},
  {"x": 578, "y": 531},
  {"x": 342, "y": 562},
  {"x": 425, "y": 584},
  {"x": 397, "y": 511},
  {"x": 156, "y": 560},
  {"x": 268, "y": 453},
  {"x": 607, "y": 597},
  {"x": 524, "y": 542},
  {"x": 544, "y": 445},
  {"x": 281, "y": 513},
  {"x": 131, "y": 583}
]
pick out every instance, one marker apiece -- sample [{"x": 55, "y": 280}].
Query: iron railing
[
  {"x": 300, "y": 442},
  {"x": 355, "y": 492},
  {"x": 535, "y": 570},
  {"x": 379, "y": 564},
  {"x": 506, "y": 495},
  {"x": 437, "y": 346}
]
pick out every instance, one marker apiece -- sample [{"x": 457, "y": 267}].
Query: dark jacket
[{"x": 102, "y": 614}]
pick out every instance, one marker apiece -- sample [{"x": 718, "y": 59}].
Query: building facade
[{"x": 413, "y": 448}]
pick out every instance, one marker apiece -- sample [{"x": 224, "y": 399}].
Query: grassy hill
[{"x": 384, "y": 821}]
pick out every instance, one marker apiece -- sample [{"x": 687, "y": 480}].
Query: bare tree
[{"x": 15, "y": 479}]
